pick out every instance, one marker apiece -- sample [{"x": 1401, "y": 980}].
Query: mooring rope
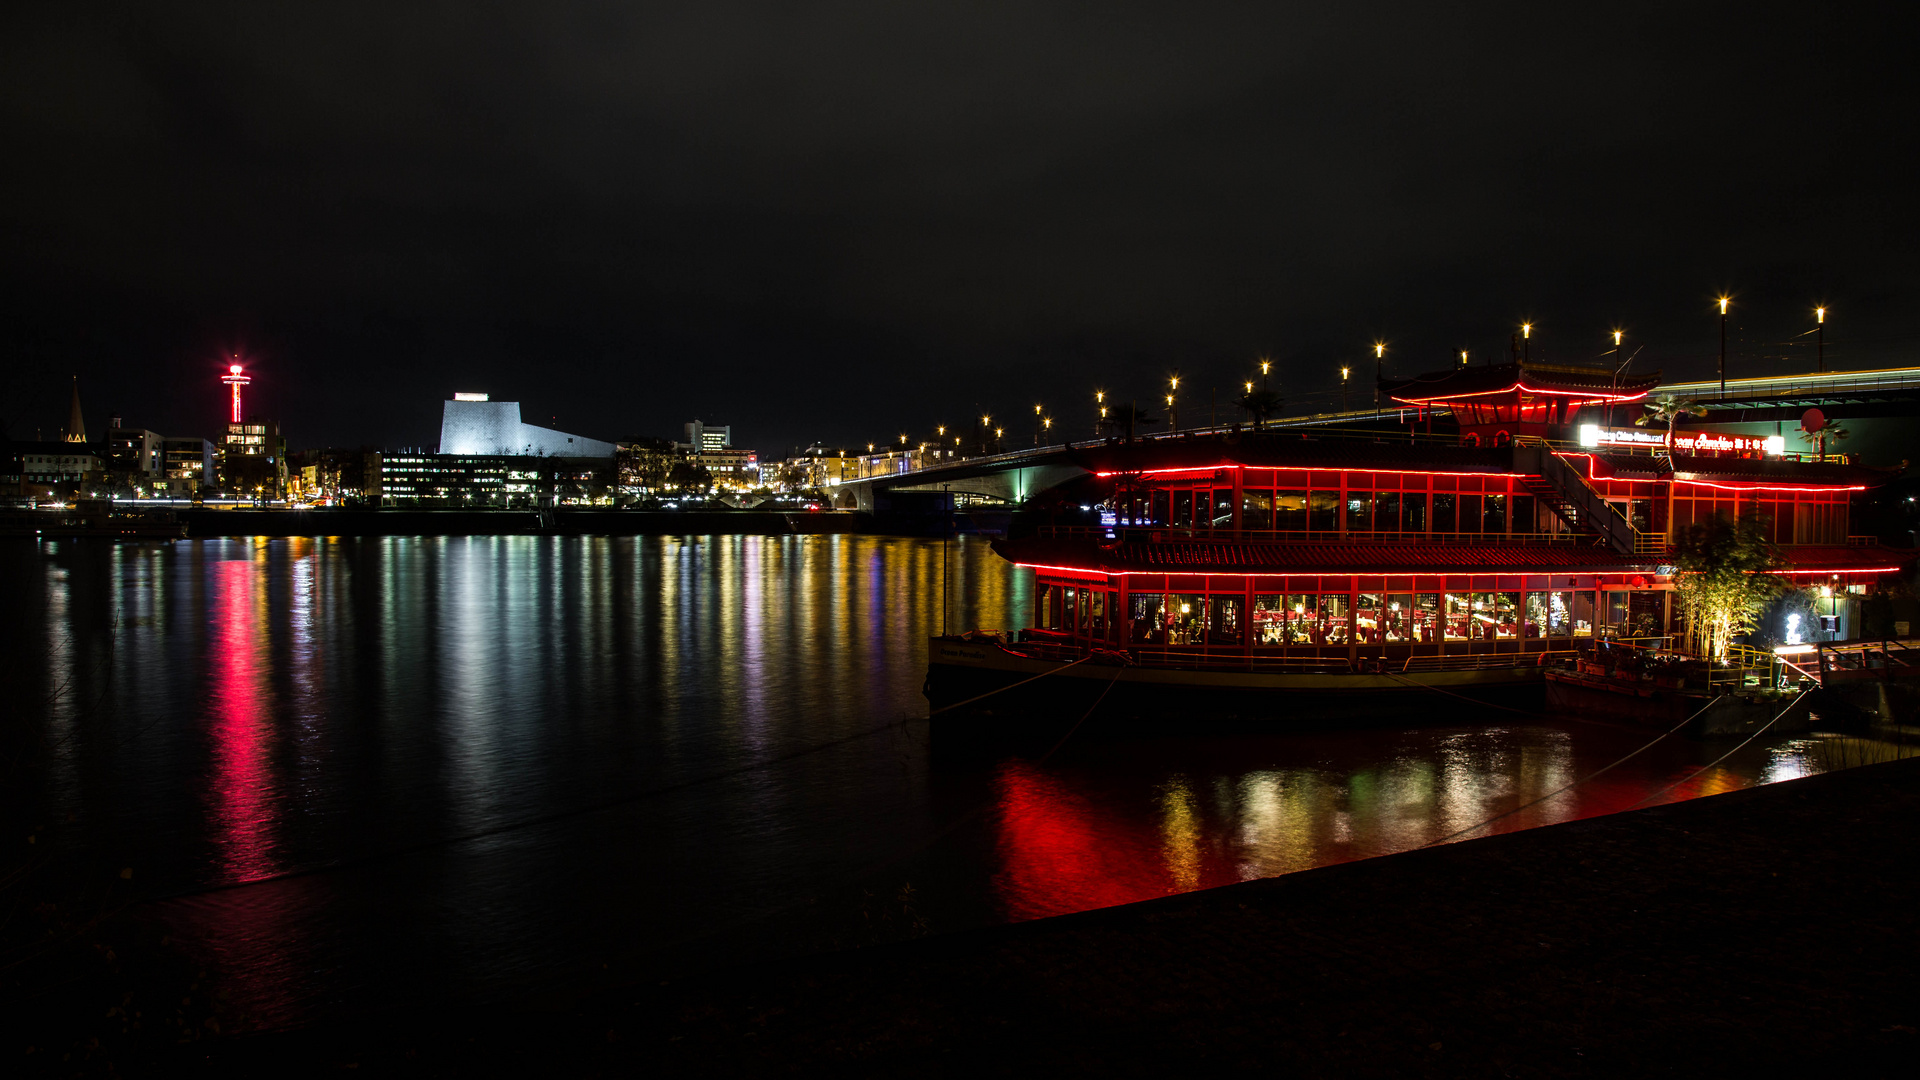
[
  {"x": 1009, "y": 686},
  {"x": 1598, "y": 772},
  {"x": 1083, "y": 716},
  {"x": 1743, "y": 742}
]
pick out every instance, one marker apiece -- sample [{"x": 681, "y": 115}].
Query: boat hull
[{"x": 983, "y": 680}]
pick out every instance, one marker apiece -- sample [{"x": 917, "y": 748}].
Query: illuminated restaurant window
[
  {"x": 1223, "y": 627},
  {"x": 1144, "y": 625},
  {"x": 1303, "y": 619},
  {"x": 1535, "y": 625},
  {"x": 1269, "y": 619},
  {"x": 1616, "y": 618},
  {"x": 1560, "y": 614},
  {"x": 1395, "y": 620},
  {"x": 1367, "y": 618},
  {"x": 1426, "y": 622},
  {"x": 1459, "y": 616},
  {"x": 1334, "y": 619},
  {"x": 1506, "y": 614},
  {"x": 1185, "y": 617},
  {"x": 1182, "y": 508}
]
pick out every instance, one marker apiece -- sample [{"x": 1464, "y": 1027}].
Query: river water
[{"x": 356, "y": 774}]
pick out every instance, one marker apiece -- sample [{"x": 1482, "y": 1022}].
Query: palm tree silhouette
[
  {"x": 1126, "y": 416},
  {"x": 1668, "y": 409},
  {"x": 1832, "y": 429},
  {"x": 1261, "y": 405}
]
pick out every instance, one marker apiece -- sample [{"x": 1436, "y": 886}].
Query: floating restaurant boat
[{"x": 1266, "y": 575}]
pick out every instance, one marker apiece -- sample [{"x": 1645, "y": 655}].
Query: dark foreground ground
[{"x": 1748, "y": 933}]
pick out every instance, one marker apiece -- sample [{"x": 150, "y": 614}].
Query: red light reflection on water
[
  {"x": 1059, "y": 853},
  {"x": 241, "y": 788},
  {"x": 1069, "y": 842}
]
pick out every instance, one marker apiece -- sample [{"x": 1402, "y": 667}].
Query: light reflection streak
[
  {"x": 241, "y": 792},
  {"x": 1180, "y": 833}
]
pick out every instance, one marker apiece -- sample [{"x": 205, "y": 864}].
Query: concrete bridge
[{"x": 1014, "y": 477}]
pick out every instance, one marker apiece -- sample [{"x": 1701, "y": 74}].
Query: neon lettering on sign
[{"x": 1690, "y": 442}]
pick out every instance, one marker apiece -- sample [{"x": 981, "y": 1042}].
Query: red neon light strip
[
  {"x": 1771, "y": 487},
  {"x": 1591, "y": 461},
  {"x": 1830, "y": 570},
  {"x": 1310, "y": 469},
  {"x": 1560, "y": 571},
  {"x": 1584, "y": 395},
  {"x": 1077, "y": 569}
]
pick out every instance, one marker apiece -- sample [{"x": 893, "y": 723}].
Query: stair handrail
[{"x": 1614, "y": 527}]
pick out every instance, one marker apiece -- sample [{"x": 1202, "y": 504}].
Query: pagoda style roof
[
  {"x": 1556, "y": 380},
  {"x": 1289, "y": 557},
  {"x": 1740, "y": 474},
  {"x": 1288, "y": 450}
]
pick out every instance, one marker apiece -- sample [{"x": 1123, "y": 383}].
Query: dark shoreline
[
  {"x": 1738, "y": 932},
  {"x": 208, "y": 523}
]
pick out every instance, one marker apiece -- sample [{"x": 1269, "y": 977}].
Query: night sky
[{"x": 847, "y": 221}]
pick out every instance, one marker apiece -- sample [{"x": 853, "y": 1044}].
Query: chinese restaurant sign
[{"x": 1684, "y": 442}]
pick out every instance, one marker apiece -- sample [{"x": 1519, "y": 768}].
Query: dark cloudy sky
[{"x": 845, "y": 221}]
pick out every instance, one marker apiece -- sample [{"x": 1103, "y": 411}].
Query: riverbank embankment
[
  {"x": 349, "y": 522},
  {"x": 1741, "y": 933}
]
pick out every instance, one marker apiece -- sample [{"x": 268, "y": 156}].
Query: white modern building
[{"x": 470, "y": 424}]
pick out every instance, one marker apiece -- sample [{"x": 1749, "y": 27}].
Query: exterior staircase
[{"x": 1560, "y": 486}]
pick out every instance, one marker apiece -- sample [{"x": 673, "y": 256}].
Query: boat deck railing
[
  {"x": 1196, "y": 658},
  {"x": 1160, "y": 534}
]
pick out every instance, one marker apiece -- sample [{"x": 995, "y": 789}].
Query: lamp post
[
  {"x": 1100, "y": 402},
  {"x": 1820, "y": 339},
  {"x": 985, "y": 420},
  {"x": 1173, "y": 416},
  {"x": 1723, "y": 347},
  {"x": 1463, "y": 358},
  {"x": 1344, "y": 372},
  {"x": 1036, "y": 424},
  {"x": 1616, "y": 376},
  {"x": 1266, "y": 365},
  {"x": 1526, "y": 342},
  {"x": 1379, "y": 369}
]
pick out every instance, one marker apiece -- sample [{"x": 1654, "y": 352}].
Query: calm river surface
[{"x": 354, "y": 774}]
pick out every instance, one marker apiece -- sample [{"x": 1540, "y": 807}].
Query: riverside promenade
[{"x": 1745, "y": 933}]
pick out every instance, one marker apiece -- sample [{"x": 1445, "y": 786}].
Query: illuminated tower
[
  {"x": 252, "y": 457},
  {"x": 236, "y": 380}
]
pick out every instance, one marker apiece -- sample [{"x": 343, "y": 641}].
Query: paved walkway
[{"x": 1751, "y": 932}]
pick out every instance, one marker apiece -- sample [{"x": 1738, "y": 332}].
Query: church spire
[{"x": 76, "y": 425}]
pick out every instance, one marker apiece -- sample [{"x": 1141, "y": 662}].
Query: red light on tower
[{"x": 236, "y": 380}]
